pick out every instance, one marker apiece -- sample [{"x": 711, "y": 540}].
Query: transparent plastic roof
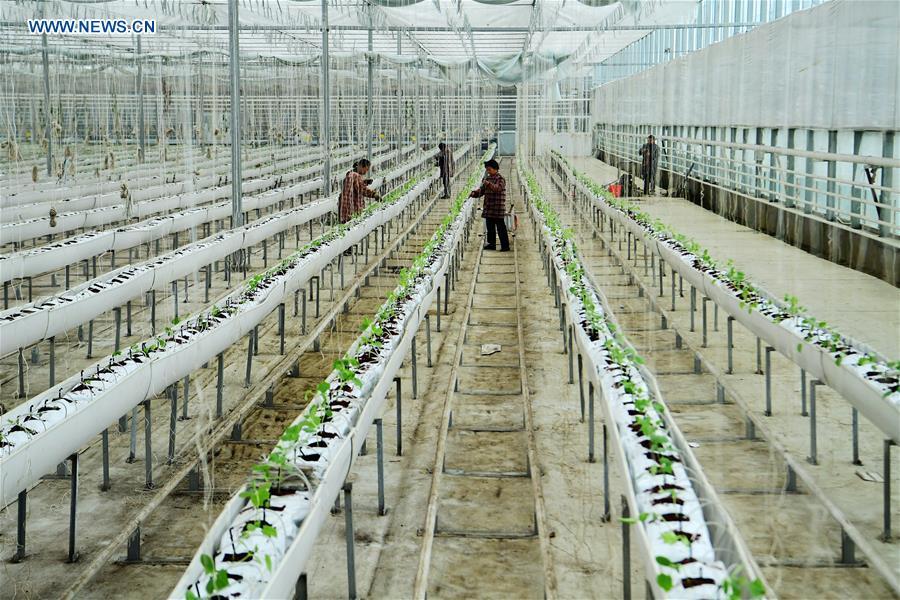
[{"x": 504, "y": 40}]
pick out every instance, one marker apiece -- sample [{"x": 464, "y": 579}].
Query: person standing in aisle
[
  {"x": 355, "y": 190},
  {"x": 649, "y": 164},
  {"x": 493, "y": 189},
  {"x": 446, "y": 166}
]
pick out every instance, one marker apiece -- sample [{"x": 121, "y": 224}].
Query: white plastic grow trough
[
  {"x": 141, "y": 191},
  {"x": 292, "y": 545},
  {"x": 141, "y": 175},
  {"x": 22, "y": 326},
  {"x": 719, "y": 547},
  {"x": 181, "y": 200},
  {"x": 847, "y": 379},
  {"x": 24, "y": 461},
  {"x": 54, "y": 256}
]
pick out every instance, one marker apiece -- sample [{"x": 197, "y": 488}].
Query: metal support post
[
  {"x": 148, "y": 446},
  {"x": 73, "y": 506},
  {"x": 220, "y": 380},
  {"x": 104, "y": 437},
  {"x": 398, "y": 383},
  {"x": 379, "y": 452},
  {"x": 769, "y": 350},
  {"x": 730, "y": 345},
  {"x": 428, "y": 338},
  {"x": 626, "y": 551},
  {"x": 854, "y": 421},
  {"x": 173, "y": 419},
  {"x": 705, "y": 331},
  {"x": 90, "y": 342},
  {"x": 48, "y": 117},
  {"x": 803, "y": 412},
  {"x": 415, "y": 378},
  {"x": 249, "y": 359},
  {"x": 581, "y": 385},
  {"x": 51, "y": 342},
  {"x": 234, "y": 64},
  {"x": 348, "y": 526},
  {"x": 281, "y": 328},
  {"x": 21, "y": 517},
  {"x": 590, "y": 421},
  {"x": 813, "y": 451},
  {"x": 325, "y": 113},
  {"x": 133, "y": 550},
  {"x": 187, "y": 392},
  {"x": 606, "y": 508}
]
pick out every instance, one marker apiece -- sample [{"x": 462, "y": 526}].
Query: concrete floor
[
  {"x": 858, "y": 305},
  {"x": 585, "y": 551}
]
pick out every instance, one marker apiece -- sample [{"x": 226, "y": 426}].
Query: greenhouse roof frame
[{"x": 506, "y": 42}]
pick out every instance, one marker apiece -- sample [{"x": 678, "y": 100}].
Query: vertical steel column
[
  {"x": 370, "y": 78},
  {"x": 325, "y": 114},
  {"x": 45, "y": 61},
  {"x": 886, "y": 531},
  {"x": 399, "y": 97},
  {"x": 234, "y": 64},
  {"x": 379, "y": 451},
  {"x": 73, "y": 505},
  {"x": 399, "y": 393},
  {"x": 22, "y": 514},
  {"x": 626, "y": 551},
  {"x": 140, "y": 91},
  {"x": 813, "y": 457},
  {"x": 348, "y": 523}
]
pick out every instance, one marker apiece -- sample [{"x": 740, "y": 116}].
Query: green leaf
[
  {"x": 269, "y": 531},
  {"x": 757, "y": 589},
  {"x": 662, "y": 560},
  {"x": 268, "y": 562},
  {"x": 207, "y": 562},
  {"x": 664, "y": 581},
  {"x": 221, "y": 579}
]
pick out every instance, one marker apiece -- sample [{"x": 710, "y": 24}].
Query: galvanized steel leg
[
  {"x": 590, "y": 421},
  {"x": 148, "y": 447},
  {"x": 220, "y": 380},
  {"x": 769, "y": 350},
  {"x": 104, "y": 437},
  {"x": 399, "y": 393},
  {"x": 348, "y": 526},
  {"x": 73, "y": 507},
  {"x": 813, "y": 451},
  {"x": 379, "y": 451},
  {"x": 173, "y": 418},
  {"x": 415, "y": 373},
  {"x": 886, "y": 531}
]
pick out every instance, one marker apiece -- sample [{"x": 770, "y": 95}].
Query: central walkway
[{"x": 494, "y": 495}]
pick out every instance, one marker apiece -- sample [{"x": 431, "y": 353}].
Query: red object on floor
[{"x": 615, "y": 189}]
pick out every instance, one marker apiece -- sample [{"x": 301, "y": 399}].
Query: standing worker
[
  {"x": 493, "y": 188},
  {"x": 355, "y": 190},
  {"x": 649, "y": 163},
  {"x": 446, "y": 166}
]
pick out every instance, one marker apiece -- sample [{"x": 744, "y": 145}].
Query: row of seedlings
[
  {"x": 260, "y": 542},
  {"x": 683, "y": 561},
  {"x": 38, "y": 434},
  {"x": 860, "y": 374}
]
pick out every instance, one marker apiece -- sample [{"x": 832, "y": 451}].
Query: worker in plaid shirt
[
  {"x": 355, "y": 190},
  {"x": 493, "y": 189}
]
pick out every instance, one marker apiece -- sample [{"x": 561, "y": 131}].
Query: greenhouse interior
[{"x": 267, "y": 332}]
